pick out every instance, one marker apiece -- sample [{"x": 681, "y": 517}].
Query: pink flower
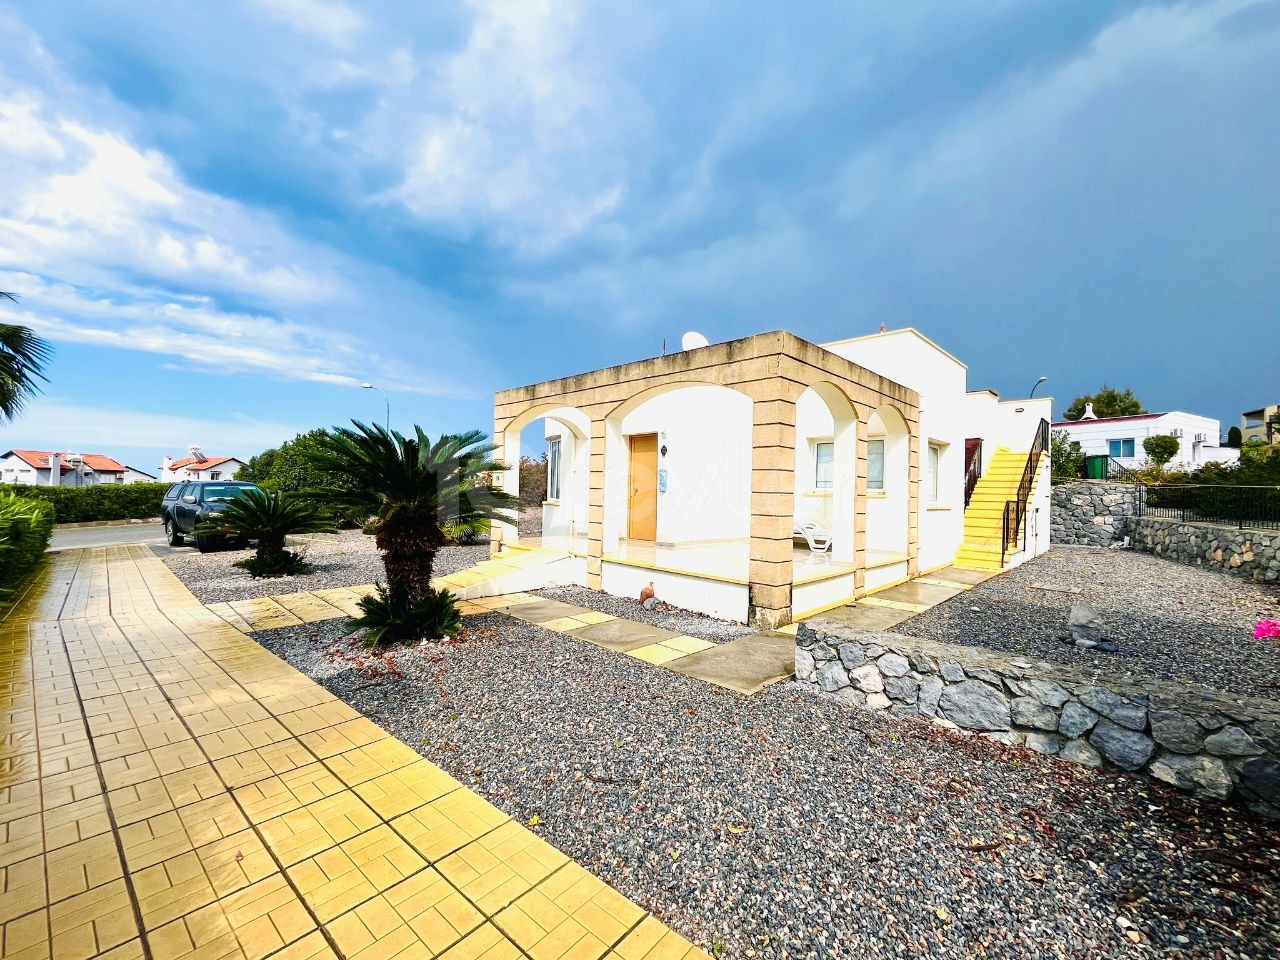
[{"x": 1267, "y": 628}]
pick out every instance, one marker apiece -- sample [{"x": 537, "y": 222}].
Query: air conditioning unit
[
  {"x": 1201, "y": 437},
  {"x": 1176, "y": 432}
]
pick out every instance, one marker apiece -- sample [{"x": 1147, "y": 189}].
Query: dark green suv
[{"x": 184, "y": 505}]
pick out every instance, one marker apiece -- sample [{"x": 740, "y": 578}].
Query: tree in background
[
  {"x": 533, "y": 481},
  {"x": 1161, "y": 448},
  {"x": 1107, "y": 402},
  {"x": 23, "y": 357},
  {"x": 1234, "y": 437}
]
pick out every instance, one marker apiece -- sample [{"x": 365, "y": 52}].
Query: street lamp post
[
  {"x": 370, "y": 386},
  {"x": 1033, "y": 389}
]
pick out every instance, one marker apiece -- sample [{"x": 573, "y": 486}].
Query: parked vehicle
[{"x": 184, "y": 505}]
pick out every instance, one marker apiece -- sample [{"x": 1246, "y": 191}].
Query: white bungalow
[{"x": 768, "y": 478}]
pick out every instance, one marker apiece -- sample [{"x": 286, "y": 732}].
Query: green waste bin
[{"x": 1095, "y": 467}]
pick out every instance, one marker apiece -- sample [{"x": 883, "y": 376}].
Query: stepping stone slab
[{"x": 625, "y": 635}]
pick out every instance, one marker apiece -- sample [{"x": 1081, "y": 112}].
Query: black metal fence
[{"x": 1236, "y": 506}]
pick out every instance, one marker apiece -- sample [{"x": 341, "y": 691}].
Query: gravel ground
[
  {"x": 345, "y": 559},
  {"x": 664, "y": 615},
  {"x": 1172, "y": 621},
  {"x": 787, "y": 826}
]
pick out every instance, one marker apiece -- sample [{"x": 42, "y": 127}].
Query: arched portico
[{"x": 750, "y": 436}]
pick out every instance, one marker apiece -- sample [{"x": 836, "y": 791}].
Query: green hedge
[
  {"x": 25, "y": 529},
  {"x": 133, "y": 501}
]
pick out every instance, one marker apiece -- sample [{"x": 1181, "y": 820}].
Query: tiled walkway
[{"x": 169, "y": 789}]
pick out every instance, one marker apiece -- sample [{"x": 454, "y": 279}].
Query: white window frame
[
  {"x": 875, "y": 484},
  {"x": 553, "y": 469},
  {"x": 935, "y": 471},
  {"x": 820, "y": 484}
]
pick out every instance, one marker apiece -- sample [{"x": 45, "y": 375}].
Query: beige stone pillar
[
  {"x": 508, "y": 481},
  {"x": 595, "y": 504},
  {"x": 773, "y": 482}
]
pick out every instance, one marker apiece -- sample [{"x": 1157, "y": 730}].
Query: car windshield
[{"x": 216, "y": 492}]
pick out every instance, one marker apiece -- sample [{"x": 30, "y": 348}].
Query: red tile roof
[
  {"x": 204, "y": 464},
  {"x": 1136, "y": 416},
  {"x": 97, "y": 462}
]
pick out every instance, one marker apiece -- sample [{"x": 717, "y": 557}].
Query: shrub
[
  {"x": 286, "y": 563},
  {"x": 25, "y": 529},
  {"x": 268, "y": 519},
  {"x": 392, "y": 616},
  {"x": 1066, "y": 458},
  {"x": 467, "y": 533},
  {"x": 1161, "y": 448},
  {"x": 107, "y": 501}
]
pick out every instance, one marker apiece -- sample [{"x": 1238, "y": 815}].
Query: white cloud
[
  {"x": 524, "y": 128},
  {"x": 62, "y": 424},
  {"x": 329, "y": 20},
  {"x": 204, "y": 337},
  {"x": 81, "y": 199}
]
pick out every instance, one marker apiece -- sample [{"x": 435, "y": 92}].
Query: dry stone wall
[
  {"x": 1211, "y": 743},
  {"x": 1247, "y": 553},
  {"x": 1099, "y": 513},
  {"x": 1092, "y": 513}
]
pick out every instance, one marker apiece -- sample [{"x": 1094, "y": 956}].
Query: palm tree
[
  {"x": 413, "y": 489},
  {"x": 268, "y": 518},
  {"x": 23, "y": 356}
]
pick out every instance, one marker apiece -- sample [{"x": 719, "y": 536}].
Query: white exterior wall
[
  {"x": 814, "y": 422},
  {"x": 707, "y": 433},
  {"x": 1094, "y": 437},
  {"x": 908, "y": 358},
  {"x": 567, "y": 515},
  {"x": 137, "y": 476},
  {"x": 13, "y": 469},
  {"x": 226, "y": 470}
]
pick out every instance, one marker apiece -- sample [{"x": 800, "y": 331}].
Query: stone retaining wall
[
  {"x": 1093, "y": 513},
  {"x": 1246, "y": 553},
  {"x": 1214, "y": 744}
]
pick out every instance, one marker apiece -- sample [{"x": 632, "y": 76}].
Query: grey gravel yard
[
  {"x": 664, "y": 615},
  {"x": 345, "y": 559},
  {"x": 787, "y": 826},
  {"x": 1171, "y": 621}
]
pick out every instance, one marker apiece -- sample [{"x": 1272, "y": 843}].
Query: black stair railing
[
  {"x": 1015, "y": 511},
  {"x": 972, "y": 468}
]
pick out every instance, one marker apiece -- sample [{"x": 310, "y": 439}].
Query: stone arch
[
  {"x": 889, "y": 495},
  {"x": 824, "y": 413}
]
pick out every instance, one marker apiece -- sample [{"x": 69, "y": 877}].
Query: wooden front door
[{"x": 642, "y": 515}]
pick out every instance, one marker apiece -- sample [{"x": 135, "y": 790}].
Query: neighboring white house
[
  {"x": 702, "y": 471},
  {"x": 51, "y": 468},
  {"x": 134, "y": 475},
  {"x": 198, "y": 466},
  {"x": 1121, "y": 437}
]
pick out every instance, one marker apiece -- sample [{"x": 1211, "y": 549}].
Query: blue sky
[{"x": 226, "y": 216}]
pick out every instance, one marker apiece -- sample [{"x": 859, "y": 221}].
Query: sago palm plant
[
  {"x": 415, "y": 492},
  {"x": 23, "y": 357},
  {"x": 269, "y": 519}
]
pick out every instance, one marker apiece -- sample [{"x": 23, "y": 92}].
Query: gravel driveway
[
  {"x": 1172, "y": 621},
  {"x": 787, "y": 826},
  {"x": 345, "y": 559}
]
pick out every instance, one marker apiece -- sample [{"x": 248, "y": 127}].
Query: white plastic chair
[{"x": 819, "y": 540}]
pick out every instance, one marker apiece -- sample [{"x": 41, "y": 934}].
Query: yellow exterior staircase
[{"x": 984, "y": 517}]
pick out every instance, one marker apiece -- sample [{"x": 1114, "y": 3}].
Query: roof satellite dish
[{"x": 693, "y": 340}]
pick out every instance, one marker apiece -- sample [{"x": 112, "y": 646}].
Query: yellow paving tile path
[{"x": 169, "y": 789}]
